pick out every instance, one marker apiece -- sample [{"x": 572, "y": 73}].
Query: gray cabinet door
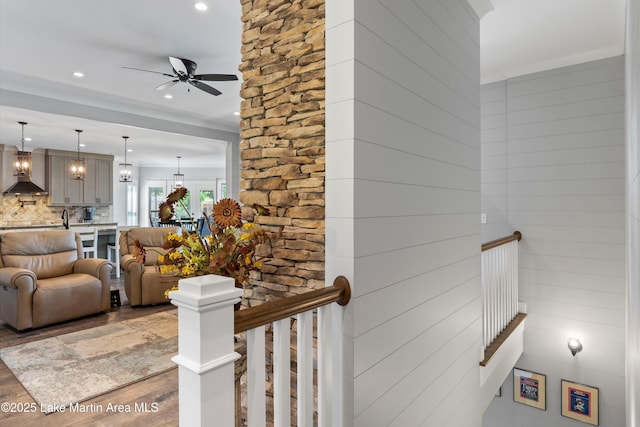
[
  {"x": 95, "y": 190},
  {"x": 62, "y": 189}
]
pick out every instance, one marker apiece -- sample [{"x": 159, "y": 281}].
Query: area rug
[{"x": 71, "y": 368}]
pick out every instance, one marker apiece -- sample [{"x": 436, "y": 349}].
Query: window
[
  {"x": 156, "y": 196},
  {"x": 206, "y": 202},
  {"x": 181, "y": 212},
  {"x": 132, "y": 205}
]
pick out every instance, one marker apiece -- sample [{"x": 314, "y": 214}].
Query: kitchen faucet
[{"x": 65, "y": 218}]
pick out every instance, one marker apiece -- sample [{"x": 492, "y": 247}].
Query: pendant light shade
[
  {"x": 78, "y": 168},
  {"x": 178, "y": 178},
  {"x": 22, "y": 163},
  {"x": 125, "y": 168}
]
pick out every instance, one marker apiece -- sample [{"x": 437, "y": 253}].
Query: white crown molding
[{"x": 481, "y": 7}]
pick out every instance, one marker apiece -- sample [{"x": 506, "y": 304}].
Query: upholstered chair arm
[
  {"x": 17, "y": 286},
  {"x": 126, "y": 260},
  {"x": 100, "y": 268},
  {"x": 133, "y": 272},
  {"x": 18, "y": 278},
  {"x": 92, "y": 266}
]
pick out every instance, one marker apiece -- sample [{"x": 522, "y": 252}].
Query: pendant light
[
  {"x": 125, "y": 168},
  {"x": 22, "y": 164},
  {"x": 178, "y": 178},
  {"x": 78, "y": 168}
]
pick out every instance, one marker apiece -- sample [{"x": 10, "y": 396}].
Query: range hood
[{"x": 26, "y": 187}]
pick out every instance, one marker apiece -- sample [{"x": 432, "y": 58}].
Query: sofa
[
  {"x": 143, "y": 283},
  {"x": 44, "y": 279}
]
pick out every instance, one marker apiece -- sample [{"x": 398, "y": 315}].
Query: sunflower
[
  {"x": 177, "y": 195},
  {"x": 165, "y": 211},
  {"x": 227, "y": 213}
]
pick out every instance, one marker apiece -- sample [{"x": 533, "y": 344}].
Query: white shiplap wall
[
  {"x": 565, "y": 191},
  {"x": 403, "y": 197},
  {"x": 632, "y": 54},
  {"x": 494, "y": 161}
]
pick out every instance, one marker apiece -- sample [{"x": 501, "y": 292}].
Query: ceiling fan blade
[
  {"x": 216, "y": 77},
  {"x": 166, "y": 85},
  {"x": 205, "y": 87},
  {"x": 149, "y": 71},
  {"x": 179, "y": 66}
]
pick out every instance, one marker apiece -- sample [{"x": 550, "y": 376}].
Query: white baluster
[
  {"x": 305, "y": 369},
  {"x": 325, "y": 351},
  {"x": 281, "y": 373},
  {"x": 256, "y": 405}
]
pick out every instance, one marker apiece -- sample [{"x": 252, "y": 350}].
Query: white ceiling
[
  {"x": 525, "y": 36},
  {"x": 43, "y": 41}
]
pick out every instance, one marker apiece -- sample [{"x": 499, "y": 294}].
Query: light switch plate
[{"x": 483, "y": 218}]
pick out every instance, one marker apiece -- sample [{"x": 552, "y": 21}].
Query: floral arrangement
[{"x": 229, "y": 250}]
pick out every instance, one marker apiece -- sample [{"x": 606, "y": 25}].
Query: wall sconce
[
  {"x": 574, "y": 344},
  {"x": 22, "y": 165},
  {"x": 125, "y": 168},
  {"x": 178, "y": 178},
  {"x": 78, "y": 168}
]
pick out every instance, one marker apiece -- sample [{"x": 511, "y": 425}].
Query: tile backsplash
[{"x": 21, "y": 211}]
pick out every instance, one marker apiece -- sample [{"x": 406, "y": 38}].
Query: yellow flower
[
  {"x": 168, "y": 269},
  {"x": 258, "y": 264},
  {"x": 173, "y": 288},
  {"x": 248, "y": 225},
  {"x": 175, "y": 255},
  {"x": 188, "y": 270},
  {"x": 174, "y": 237},
  {"x": 245, "y": 237},
  {"x": 160, "y": 259}
]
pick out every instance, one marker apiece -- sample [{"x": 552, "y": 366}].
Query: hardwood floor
[{"x": 159, "y": 393}]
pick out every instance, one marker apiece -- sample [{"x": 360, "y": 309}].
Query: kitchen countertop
[{"x": 100, "y": 226}]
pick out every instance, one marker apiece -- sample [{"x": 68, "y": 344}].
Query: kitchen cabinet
[
  {"x": 98, "y": 184},
  {"x": 95, "y": 190},
  {"x": 62, "y": 189}
]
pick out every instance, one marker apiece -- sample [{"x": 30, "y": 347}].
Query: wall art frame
[
  {"x": 530, "y": 388},
  {"x": 580, "y": 402}
]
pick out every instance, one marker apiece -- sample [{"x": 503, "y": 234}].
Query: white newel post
[{"x": 206, "y": 350}]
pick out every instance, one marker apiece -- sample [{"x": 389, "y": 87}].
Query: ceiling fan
[{"x": 184, "y": 70}]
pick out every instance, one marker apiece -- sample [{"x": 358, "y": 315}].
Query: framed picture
[
  {"x": 580, "y": 402},
  {"x": 530, "y": 388}
]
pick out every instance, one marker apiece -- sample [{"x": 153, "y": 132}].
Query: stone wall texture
[{"x": 282, "y": 132}]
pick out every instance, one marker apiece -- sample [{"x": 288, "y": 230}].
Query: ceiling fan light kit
[{"x": 184, "y": 71}]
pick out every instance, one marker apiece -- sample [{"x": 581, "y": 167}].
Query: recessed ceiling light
[
  {"x": 236, "y": 113},
  {"x": 201, "y": 6},
  {"x": 27, "y": 139},
  {"x": 129, "y": 150},
  {"x": 78, "y": 74},
  {"x": 82, "y": 145},
  {"x": 168, "y": 96}
]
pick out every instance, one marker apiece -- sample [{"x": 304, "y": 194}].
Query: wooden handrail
[
  {"x": 273, "y": 311},
  {"x": 492, "y": 244}
]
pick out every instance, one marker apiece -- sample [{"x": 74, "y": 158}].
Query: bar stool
[
  {"x": 88, "y": 234},
  {"x": 113, "y": 253}
]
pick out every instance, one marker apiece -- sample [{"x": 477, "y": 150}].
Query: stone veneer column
[{"x": 283, "y": 134}]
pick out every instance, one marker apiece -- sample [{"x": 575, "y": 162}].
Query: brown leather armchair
[
  {"x": 45, "y": 280},
  {"x": 144, "y": 284}
]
